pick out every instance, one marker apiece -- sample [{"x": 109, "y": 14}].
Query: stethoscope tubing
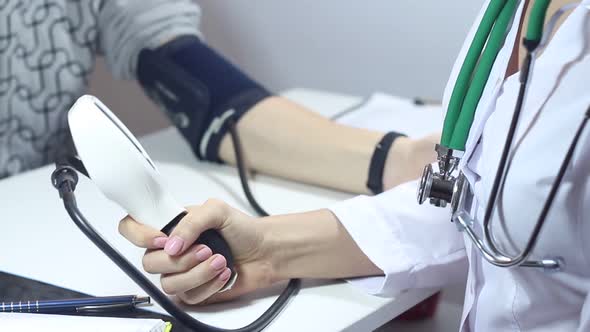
[{"x": 493, "y": 254}]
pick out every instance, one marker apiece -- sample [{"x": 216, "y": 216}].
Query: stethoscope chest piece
[{"x": 439, "y": 187}]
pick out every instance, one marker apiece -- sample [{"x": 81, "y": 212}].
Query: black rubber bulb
[{"x": 211, "y": 238}]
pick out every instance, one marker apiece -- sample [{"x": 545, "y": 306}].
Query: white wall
[{"x": 405, "y": 47}]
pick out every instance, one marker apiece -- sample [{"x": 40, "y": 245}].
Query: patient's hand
[{"x": 406, "y": 159}]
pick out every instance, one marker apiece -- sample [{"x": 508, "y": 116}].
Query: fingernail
[
  {"x": 224, "y": 276},
  {"x": 203, "y": 253},
  {"x": 218, "y": 263},
  {"x": 160, "y": 242},
  {"x": 174, "y": 245}
]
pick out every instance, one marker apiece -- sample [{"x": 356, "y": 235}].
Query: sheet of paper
[
  {"x": 384, "y": 112},
  {"x": 19, "y": 322}
]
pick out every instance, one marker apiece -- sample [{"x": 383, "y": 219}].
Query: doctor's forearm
[
  {"x": 284, "y": 139},
  {"x": 313, "y": 245}
]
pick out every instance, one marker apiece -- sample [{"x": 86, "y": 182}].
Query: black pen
[{"x": 89, "y": 304}]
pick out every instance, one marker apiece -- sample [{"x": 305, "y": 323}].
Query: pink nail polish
[
  {"x": 218, "y": 263},
  {"x": 160, "y": 242},
  {"x": 204, "y": 253},
  {"x": 174, "y": 245},
  {"x": 224, "y": 276}
]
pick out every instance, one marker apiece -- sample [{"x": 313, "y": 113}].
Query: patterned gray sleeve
[{"x": 128, "y": 26}]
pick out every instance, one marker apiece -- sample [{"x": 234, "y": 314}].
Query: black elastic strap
[{"x": 375, "y": 181}]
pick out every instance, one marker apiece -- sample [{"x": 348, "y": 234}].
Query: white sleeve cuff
[
  {"x": 415, "y": 245},
  {"x": 374, "y": 237}
]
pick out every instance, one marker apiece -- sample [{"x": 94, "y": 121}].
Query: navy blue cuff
[{"x": 199, "y": 89}]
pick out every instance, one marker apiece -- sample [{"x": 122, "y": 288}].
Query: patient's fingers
[{"x": 142, "y": 235}]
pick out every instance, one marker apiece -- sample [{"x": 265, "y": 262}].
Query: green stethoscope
[{"x": 445, "y": 186}]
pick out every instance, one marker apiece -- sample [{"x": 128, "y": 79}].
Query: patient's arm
[
  {"x": 284, "y": 139},
  {"x": 201, "y": 90}
]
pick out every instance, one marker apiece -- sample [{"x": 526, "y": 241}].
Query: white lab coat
[{"x": 417, "y": 246}]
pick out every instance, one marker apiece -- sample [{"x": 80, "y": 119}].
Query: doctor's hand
[{"x": 191, "y": 271}]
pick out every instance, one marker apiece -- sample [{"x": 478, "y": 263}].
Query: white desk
[{"x": 38, "y": 240}]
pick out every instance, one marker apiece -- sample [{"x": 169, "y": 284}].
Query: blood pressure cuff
[{"x": 199, "y": 91}]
